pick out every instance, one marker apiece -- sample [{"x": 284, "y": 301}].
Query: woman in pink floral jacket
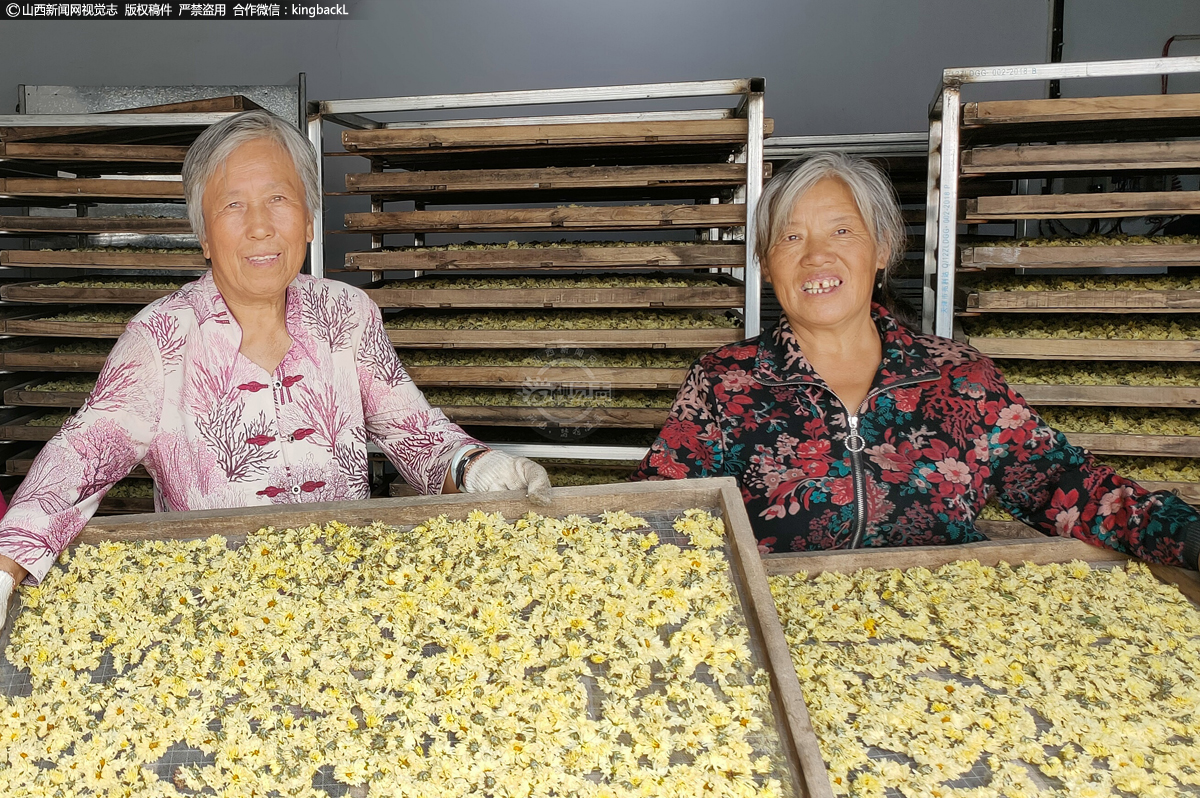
[
  {"x": 252, "y": 385},
  {"x": 846, "y": 429}
]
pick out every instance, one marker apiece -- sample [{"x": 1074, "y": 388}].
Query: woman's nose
[
  {"x": 816, "y": 251},
  {"x": 258, "y": 221}
]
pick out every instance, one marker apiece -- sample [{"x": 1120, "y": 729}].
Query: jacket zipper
[{"x": 855, "y": 444}]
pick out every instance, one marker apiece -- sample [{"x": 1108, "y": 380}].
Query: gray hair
[
  {"x": 870, "y": 187},
  {"x": 217, "y": 143}
]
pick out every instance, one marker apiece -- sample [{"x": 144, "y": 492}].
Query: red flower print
[
  {"x": 1014, "y": 417},
  {"x": 668, "y": 466},
  {"x": 813, "y": 448},
  {"x": 907, "y": 398},
  {"x": 736, "y": 380},
  {"x": 681, "y": 434},
  {"x": 954, "y": 471},
  {"x": 766, "y": 545},
  {"x": 886, "y": 457},
  {"x": 841, "y": 490}
]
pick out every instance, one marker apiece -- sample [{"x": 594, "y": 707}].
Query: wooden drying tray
[
  {"x": 1136, "y": 445},
  {"x": 1122, "y": 156},
  {"x": 67, "y": 259},
  {"x": 39, "y": 356},
  {"x": 17, "y": 427},
  {"x": 706, "y": 338},
  {"x": 96, "y": 157},
  {"x": 1040, "y": 550},
  {"x": 24, "y": 225},
  {"x": 658, "y": 256},
  {"x": 570, "y": 417},
  {"x": 106, "y": 134},
  {"x": 464, "y": 186},
  {"x": 1110, "y": 395},
  {"x": 105, "y": 190},
  {"x": 23, "y": 395},
  {"x": 1081, "y": 206},
  {"x": 43, "y": 325},
  {"x": 1086, "y": 349},
  {"x": 1080, "y": 301},
  {"x": 1129, "y": 108},
  {"x": 581, "y": 219},
  {"x": 1000, "y": 257},
  {"x": 727, "y": 294},
  {"x": 589, "y": 134},
  {"x": 521, "y": 376},
  {"x": 798, "y": 757},
  {"x": 42, "y": 292}
]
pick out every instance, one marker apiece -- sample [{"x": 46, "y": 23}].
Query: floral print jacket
[
  {"x": 215, "y": 430},
  {"x": 937, "y": 436}
]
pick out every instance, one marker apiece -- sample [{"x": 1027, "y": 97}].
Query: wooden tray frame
[
  {"x": 22, "y": 396},
  {"x": 16, "y": 426},
  {"x": 1081, "y": 206},
  {"x": 1020, "y": 548},
  {"x": 569, "y": 417},
  {"x": 746, "y": 568},
  {"x": 23, "y": 225},
  {"x": 521, "y": 376},
  {"x": 658, "y": 256},
  {"x": 1136, "y": 445},
  {"x": 1167, "y": 301},
  {"x": 580, "y": 219},
  {"x": 999, "y": 257},
  {"x": 38, "y": 292},
  {"x": 468, "y": 138},
  {"x": 1123, "y": 156},
  {"x": 445, "y": 185},
  {"x": 1086, "y": 349},
  {"x": 83, "y": 188},
  {"x": 707, "y": 338},
  {"x": 66, "y": 259},
  {"x": 63, "y": 329},
  {"x": 1109, "y": 395},
  {"x": 1081, "y": 109},
  {"x": 37, "y": 357},
  {"x": 729, "y": 294}
]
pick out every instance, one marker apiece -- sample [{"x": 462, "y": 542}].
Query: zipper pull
[{"x": 855, "y": 443}]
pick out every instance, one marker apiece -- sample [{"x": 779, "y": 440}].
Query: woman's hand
[{"x": 495, "y": 470}]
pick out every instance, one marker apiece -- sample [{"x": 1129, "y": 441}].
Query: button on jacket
[
  {"x": 939, "y": 434},
  {"x": 215, "y": 430}
]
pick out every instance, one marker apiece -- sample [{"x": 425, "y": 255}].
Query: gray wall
[
  {"x": 832, "y": 66},
  {"x": 1107, "y": 29}
]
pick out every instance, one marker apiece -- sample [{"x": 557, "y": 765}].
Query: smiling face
[
  {"x": 256, "y": 223},
  {"x": 825, "y": 263}
]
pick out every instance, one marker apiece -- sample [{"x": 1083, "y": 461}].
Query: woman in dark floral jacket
[{"x": 846, "y": 429}]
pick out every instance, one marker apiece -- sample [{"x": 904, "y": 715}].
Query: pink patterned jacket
[{"x": 215, "y": 430}]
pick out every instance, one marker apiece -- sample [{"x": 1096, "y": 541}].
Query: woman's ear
[{"x": 312, "y": 230}]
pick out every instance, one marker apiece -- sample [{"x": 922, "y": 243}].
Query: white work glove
[
  {"x": 496, "y": 470},
  {"x": 6, "y": 589}
]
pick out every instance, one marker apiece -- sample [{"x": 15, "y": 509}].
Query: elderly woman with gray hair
[
  {"x": 845, "y": 428},
  {"x": 253, "y": 385}
]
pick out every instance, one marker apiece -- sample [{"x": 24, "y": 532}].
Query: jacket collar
[
  {"x": 779, "y": 360},
  {"x": 216, "y": 317}
]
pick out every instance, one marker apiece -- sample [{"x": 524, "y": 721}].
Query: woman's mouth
[
  {"x": 263, "y": 260},
  {"x": 821, "y": 285}
]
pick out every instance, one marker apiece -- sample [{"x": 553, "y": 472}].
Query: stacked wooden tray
[
  {"x": 104, "y": 232},
  {"x": 1093, "y": 302},
  {"x": 579, "y": 314}
]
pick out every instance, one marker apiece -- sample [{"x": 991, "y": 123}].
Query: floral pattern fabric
[
  {"x": 941, "y": 433},
  {"x": 215, "y": 430}
]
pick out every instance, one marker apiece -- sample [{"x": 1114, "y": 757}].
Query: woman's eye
[
  {"x": 278, "y": 198},
  {"x": 842, "y": 230},
  {"x": 791, "y": 237}
]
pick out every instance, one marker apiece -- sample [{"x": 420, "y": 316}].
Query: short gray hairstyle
[
  {"x": 870, "y": 187},
  {"x": 217, "y": 143}
]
